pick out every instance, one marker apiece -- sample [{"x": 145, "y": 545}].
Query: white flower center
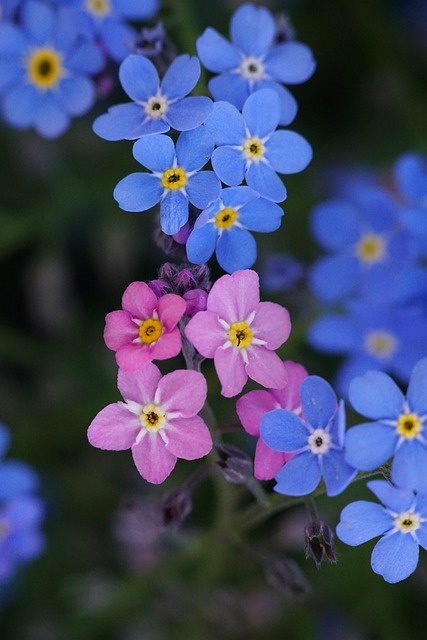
[
  {"x": 407, "y": 521},
  {"x": 319, "y": 442},
  {"x": 156, "y": 107},
  {"x": 252, "y": 69}
]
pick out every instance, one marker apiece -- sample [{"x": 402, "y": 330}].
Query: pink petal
[
  {"x": 114, "y": 428},
  {"x": 272, "y": 324},
  {"x": 252, "y": 406},
  {"x": 139, "y": 386},
  {"x": 119, "y": 329},
  {"x": 289, "y": 397},
  {"x": 139, "y": 300},
  {"x": 170, "y": 309},
  {"x": 234, "y": 297},
  {"x": 266, "y": 368},
  {"x": 152, "y": 459},
  {"x": 183, "y": 391},
  {"x": 230, "y": 368},
  {"x": 131, "y": 357},
  {"x": 189, "y": 438},
  {"x": 268, "y": 462},
  {"x": 167, "y": 346},
  {"x": 205, "y": 333}
]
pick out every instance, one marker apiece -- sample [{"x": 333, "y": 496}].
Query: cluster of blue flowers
[
  {"x": 237, "y": 133},
  {"x": 51, "y": 53},
  {"x": 21, "y": 513},
  {"x": 372, "y": 286}
]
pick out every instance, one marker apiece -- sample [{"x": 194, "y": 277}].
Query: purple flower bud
[
  {"x": 175, "y": 507},
  {"x": 182, "y": 236},
  {"x": 319, "y": 542},
  {"x": 159, "y": 287},
  {"x": 196, "y": 300},
  {"x": 235, "y": 464}
]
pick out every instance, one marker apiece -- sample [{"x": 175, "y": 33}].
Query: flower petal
[
  {"x": 181, "y": 77},
  {"x": 268, "y": 462},
  {"x": 153, "y": 461},
  {"x": 236, "y": 249},
  {"x": 138, "y": 192},
  {"x": 115, "y": 428},
  {"x": 395, "y": 557},
  {"x": 231, "y": 372},
  {"x": 288, "y": 152},
  {"x": 119, "y": 329},
  {"x": 215, "y": 52},
  {"x": 369, "y": 445},
  {"x": 272, "y": 324},
  {"x": 189, "y": 438},
  {"x": 183, "y": 392},
  {"x": 318, "y": 400},
  {"x": 206, "y": 333},
  {"x": 283, "y": 431},
  {"x": 264, "y": 180},
  {"x": 252, "y": 29},
  {"x": 361, "y": 521},
  {"x": 139, "y": 300},
  {"x": 336, "y": 472},
  {"x": 252, "y": 406},
  {"x": 376, "y": 396},
  {"x": 300, "y": 476},
  {"x": 417, "y": 388},
  {"x": 139, "y": 386},
  {"x": 139, "y": 77}
]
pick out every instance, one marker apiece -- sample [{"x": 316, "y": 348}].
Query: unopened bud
[
  {"x": 319, "y": 542},
  {"x": 175, "y": 507},
  {"x": 196, "y": 300},
  {"x": 286, "y": 576},
  {"x": 235, "y": 464}
]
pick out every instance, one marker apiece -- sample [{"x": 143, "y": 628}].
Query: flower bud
[
  {"x": 196, "y": 300},
  {"x": 319, "y": 542},
  {"x": 175, "y": 507},
  {"x": 235, "y": 464},
  {"x": 285, "y": 575}
]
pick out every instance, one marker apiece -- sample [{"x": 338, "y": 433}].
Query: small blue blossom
[
  {"x": 317, "y": 439},
  {"x": 399, "y": 428},
  {"x": 249, "y": 147},
  {"x": 175, "y": 180},
  {"x": 402, "y": 522},
  {"x": 157, "y": 106},
  {"x": 253, "y": 61},
  {"x": 46, "y": 66},
  {"x": 16, "y": 477},
  {"x": 410, "y": 173},
  {"x": 225, "y": 225},
  {"x": 280, "y": 272}
]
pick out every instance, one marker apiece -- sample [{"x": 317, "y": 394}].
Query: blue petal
[
  {"x": 318, "y": 400},
  {"x": 12, "y": 42},
  {"x": 189, "y": 113},
  {"x": 288, "y": 152},
  {"x": 334, "y": 334},
  {"x": 411, "y": 175},
  {"x": 369, "y": 445},
  {"x": 361, "y": 521},
  {"x": 261, "y": 215},
  {"x": 332, "y": 278},
  {"x": 226, "y": 124},
  {"x": 261, "y": 177},
  {"x": 203, "y": 188},
  {"x": 76, "y": 95},
  {"x": 376, "y": 396},
  {"x": 16, "y": 479},
  {"x": 238, "y": 196},
  {"x": 194, "y": 148},
  {"x": 252, "y": 29},
  {"x": 10, "y": 75},
  {"x": 118, "y": 38},
  {"x": 288, "y": 104},
  {"x": 215, "y": 52},
  {"x": 138, "y": 192},
  {"x": 335, "y": 224},
  {"x": 394, "y": 498},
  {"x": 181, "y": 77},
  {"x": 336, "y": 472},
  {"x": 236, "y": 249},
  {"x": 300, "y": 475},
  {"x": 127, "y": 122},
  {"x": 231, "y": 88},
  {"x": 86, "y": 58},
  {"x": 229, "y": 165},
  {"x": 139, "y": 77},
  {"x": 173, "y": 212},
  {"x": 137, "y": 10},
  {"x": 417, "y": 388},
  {"x": 261, "y": 112},
  {"x": 283, "y": 431},
  {"x": 201, "y": 243},
  {"x": 395, "y": 557},
  {"x": 50, "y": 120},
  {"x": 290, "y": 62},
  {"x": 38, "y": 19},
  {"x": 355, "y": 365},
  {"x": 20, "y": 106},
  {"x": 4, "y": 439},
  {"x": 409, "y": 466},
  {"x": 157, "y": 153}
]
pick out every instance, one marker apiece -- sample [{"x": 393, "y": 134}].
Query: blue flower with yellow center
[
  {"x": 46, "y": 66},
  {"x": 224, "y": 227},
  {"x": 157, "y": 106},
  {"x": 175, "y": 178}
]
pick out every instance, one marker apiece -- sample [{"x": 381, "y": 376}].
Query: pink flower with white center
[
  {"x": 253, "y": 405},
  {"x": 146, "y": 329},
  {"x": 240, "y": 333},
  {"x": 157, "y": 420}
]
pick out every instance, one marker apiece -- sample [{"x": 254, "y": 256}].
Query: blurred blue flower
[
  {"x": 399, "y": 427},
  {"x": 16, "y": 477},
  {"x": 410, "y": 173},
  {"x": 225, "y": 225},
  {"x": 45, "y": 67},
  {"x": 253, "y": 61},
  {"x": 249, "y": 147},
  {"x": 402, "y": 522},
  {"x": 175, "y": 180},
  {"x": 317, "y": 439},
  {"x": 157, "y": 106},
  {"x": 280, "y": 272}
]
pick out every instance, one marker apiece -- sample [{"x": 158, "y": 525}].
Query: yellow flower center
[
  {"x": 407, "y": 521},
  {"x": 409, "y": 425},
  {"x": 150, "y": 330},
  {"x": 371, "y": 248},
  {"x": 99, "y": 8},
  {"x": 240, "y": 334},
  {"x": 381, "y": 344},
  {"x": 152, "y": 417},
  {"x": 253, "y": 149},
  {"x": 225, "y": 218},
  {"x": 45, "y": 68},
  {"x": 174, "y": 179}
]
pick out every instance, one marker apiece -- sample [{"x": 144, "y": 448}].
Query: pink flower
[
  {"x": 241, "y": 333},
  {"x": 157, "y": 420},
  {"x": 146, "y": 329},
  {"x": 253, "y": 405}
]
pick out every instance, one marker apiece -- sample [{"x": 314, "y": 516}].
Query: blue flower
[
  {"x": 316, "y": 439},
  {"x": 224, "y": 228},
  {"x": 45, "y": 66},
  {"x": 156, "y": 106},
  {"x": 280, "y": 273},
  {"x": 253, "y": 61},
  {"x": 399, "y": 429},
  {"x": 410, "y": 173},
  {"x": 249, "y": 147},
  {"x": 175, "y": 180},
  {"x": 16, "y": 477},
  {"x": 402, "y": 522}
]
